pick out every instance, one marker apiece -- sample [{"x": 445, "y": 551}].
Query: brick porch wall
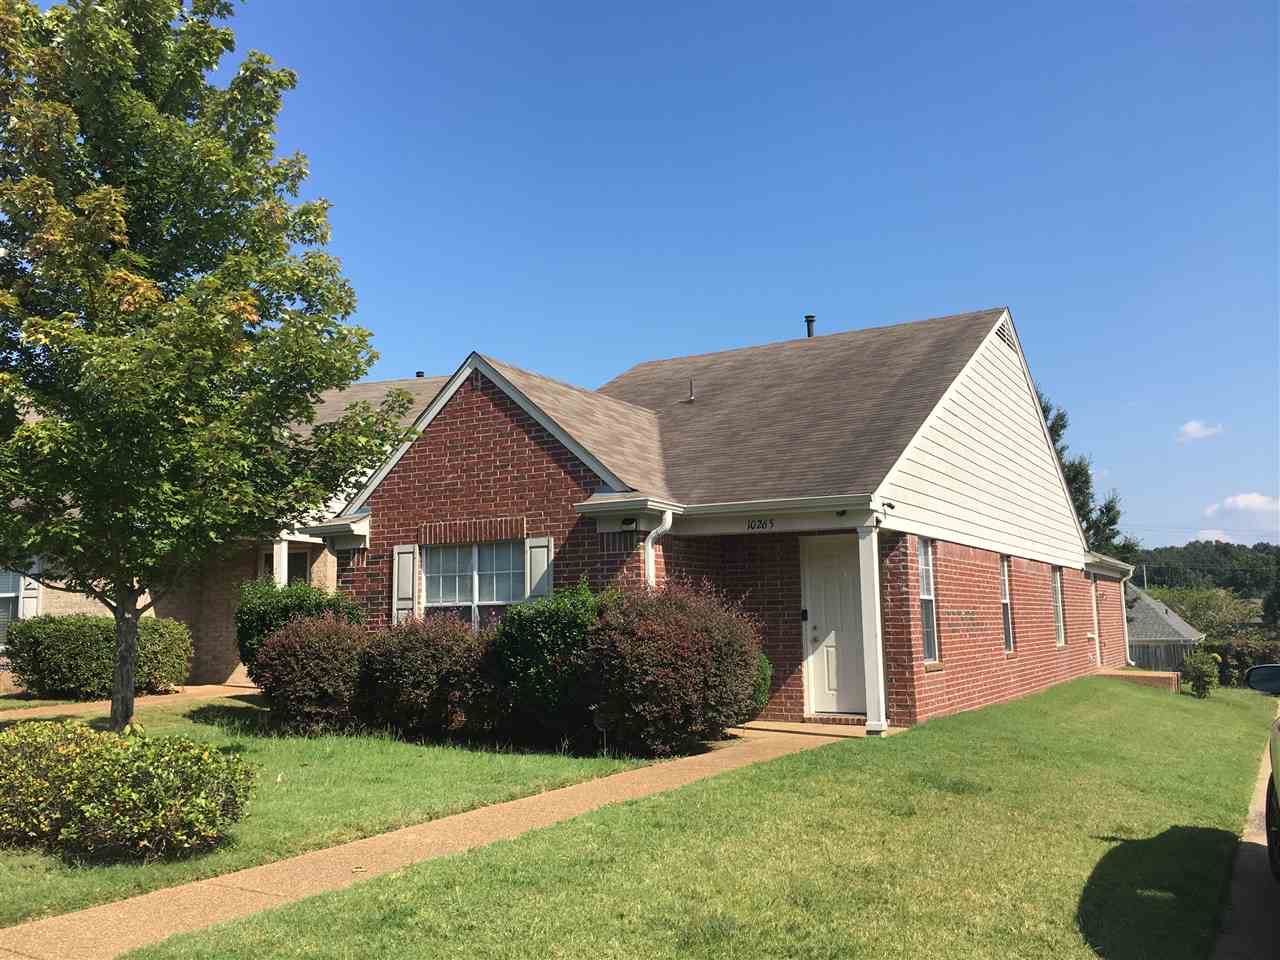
[
  {"x": 484, "y": 458},
  {"x": 1111, "y": 617}
]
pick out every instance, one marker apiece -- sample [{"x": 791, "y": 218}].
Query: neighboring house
[
  {"x": 1158, "y": 637},
  {"x": 207, "y": 603},
  {"x": 886, "y": 501}
]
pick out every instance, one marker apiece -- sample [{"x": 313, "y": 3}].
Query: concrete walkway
[
  {"x": 1252, "y": 926},
  {"x": 95, "y": 708},
  {"x": 99, "y": 933}
]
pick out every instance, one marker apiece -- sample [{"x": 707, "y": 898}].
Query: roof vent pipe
[{"x": 809, "y": 318}]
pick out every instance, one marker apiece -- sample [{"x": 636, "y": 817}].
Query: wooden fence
[{"x": 1159, "y": 656}]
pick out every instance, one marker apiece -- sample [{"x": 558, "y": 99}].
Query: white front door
[{"x": 831, "y": 592}]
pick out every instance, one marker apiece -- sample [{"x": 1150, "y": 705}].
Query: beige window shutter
[
  {"x": 29, "y": 601},
  {"x": 539, "y": 553},
  {"x": 404, "y": 583}
]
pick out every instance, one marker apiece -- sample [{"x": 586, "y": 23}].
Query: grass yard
[
  {"x": 1097, "y": 819},
  {"x": 20, "y": 701},
  {"x": 312, "y": 792}
]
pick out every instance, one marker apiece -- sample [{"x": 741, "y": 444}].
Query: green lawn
[
  {"x": 312, "y": 792},
  {"x": 1097, "y": 819},
  {"x": 20, "y": 701}
]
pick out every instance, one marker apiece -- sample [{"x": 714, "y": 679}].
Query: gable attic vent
[{"x": 1005, "y": 333}]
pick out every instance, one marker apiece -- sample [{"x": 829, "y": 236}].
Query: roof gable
[{"x": 981, "y": 469}]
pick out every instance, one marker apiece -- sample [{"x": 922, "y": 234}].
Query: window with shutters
[{"x": 478, "y": 580}]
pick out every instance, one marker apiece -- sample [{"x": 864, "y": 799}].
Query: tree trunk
[{"x": 123, "y": 679}]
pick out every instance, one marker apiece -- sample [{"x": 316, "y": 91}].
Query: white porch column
[
  {"x": 872, "y": 648},
  {"x": 280, "y": 562}
]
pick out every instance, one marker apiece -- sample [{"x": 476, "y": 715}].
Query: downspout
[
  {"x": 1124, "y": 616},
  {"x": 650, "y": 571},
  {"x": 1097, "y": 630}
]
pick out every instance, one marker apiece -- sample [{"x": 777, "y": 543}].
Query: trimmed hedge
[
  {"x": 653, "y": 673},
  {"x": 760, "y": 691},
  {"x": 74, "y": 656},
  {"x": 1237, "y": 656},
  {"x": 677, "y": 666},
  {"x": 265, "y": 607},
  {"x": 93, "y": 795},
  {"x": 308, "y": 671},
  {"x": 423, "y": 677},
  {"x": 543, "y": 675}
]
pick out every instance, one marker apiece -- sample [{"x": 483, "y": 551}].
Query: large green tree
[
  {"x": 168, "y": 314},
  {"x": 1100, "y": 520}
]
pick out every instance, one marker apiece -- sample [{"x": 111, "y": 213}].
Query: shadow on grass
[{"x": 1155, "y": 897}]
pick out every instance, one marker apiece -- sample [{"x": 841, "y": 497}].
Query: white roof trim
[
  {"x": 608, "y": 503},
  {"x": 1005, "y": 316},
  {"x": 474, "y": 363}
]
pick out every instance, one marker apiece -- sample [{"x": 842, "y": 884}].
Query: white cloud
[
  {"x": 1252, "y": 503},
  {"x": 1197, "y": 430},
  {"x": 1215, "y": 535}
]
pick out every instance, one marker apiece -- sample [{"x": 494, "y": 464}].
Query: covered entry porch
[{"x": 811, "y": 577}]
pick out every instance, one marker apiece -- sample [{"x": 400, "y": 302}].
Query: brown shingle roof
[
  {"x": 620, "y": 435},
  {"x": 422, "y": 389},
  {"x": 801, "y": 418}
]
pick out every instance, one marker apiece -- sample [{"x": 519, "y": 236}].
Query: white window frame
[
  {"x": 1059, "y": 611},
  {"x": 1006, "y": 605},
  {"x": 267, "y": 563},
  {"x": 925, "y": 582},
  {"x": 543, "y": 546}
]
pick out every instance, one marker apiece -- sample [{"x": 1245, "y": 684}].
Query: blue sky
[{"x": 578, "y": 187}]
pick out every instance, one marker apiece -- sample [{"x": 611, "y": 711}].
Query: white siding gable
[{"x": 981, "y": 470}]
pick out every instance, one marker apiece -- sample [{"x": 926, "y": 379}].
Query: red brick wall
[
  {"x": 484, "y": 458},
  {"x": 973, "y": 668},
  {"x": 1111, "y": 618}
]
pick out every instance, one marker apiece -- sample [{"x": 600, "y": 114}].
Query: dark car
[{"x": 1267, "y": 679}]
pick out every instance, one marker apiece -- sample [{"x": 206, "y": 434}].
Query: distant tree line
[{"x": 1248, "y": 572}]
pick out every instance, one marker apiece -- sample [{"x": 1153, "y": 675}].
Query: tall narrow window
[
  {"x": 928, "y": 615},
  {"x": 1059, "y": 621},
  {"x": 1005, "y": 605},
  {"x": 10, "y": 588}
]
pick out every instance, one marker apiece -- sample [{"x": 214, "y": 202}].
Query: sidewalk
[
  {"x": 1251, "y": 929},
  {"x": 206, "y": 691},
  {"x": 105, "y": 931}
]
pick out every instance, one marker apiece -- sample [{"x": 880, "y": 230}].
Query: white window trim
[
  {"x": 1006, "y": 605},
  {"x": 924, "y": 552},
  {"x": 281, "y": 576},
  {"x": 1059, "y": 609},
  {"x": 527, "y": 544}
]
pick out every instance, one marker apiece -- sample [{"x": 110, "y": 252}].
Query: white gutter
[{"x": 650, "y": 573}]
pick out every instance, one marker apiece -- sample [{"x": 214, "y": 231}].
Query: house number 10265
[{"x": 765, "y": 523}]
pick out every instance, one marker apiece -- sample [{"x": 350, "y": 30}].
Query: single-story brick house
[{"x": 886, "y": 501}]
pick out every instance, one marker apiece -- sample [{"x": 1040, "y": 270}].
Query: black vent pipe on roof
[{"x": 809, "y": 318}]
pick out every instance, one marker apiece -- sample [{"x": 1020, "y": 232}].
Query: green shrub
[
  {"x": 1236, "y": 656},
  {"x": 308, "y": 671},
  {"x": 676, "y": 666},
  {"x": 542, "y": 673},
  {"x": 265, "y": 607},
  {"x": 422, "y": 677},
  {"x": 1200, "y": 670},
  {"x": 92, "y": 795},
  {"x": 74, "y": 656},
  {"x": 763, "y": 685}
]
